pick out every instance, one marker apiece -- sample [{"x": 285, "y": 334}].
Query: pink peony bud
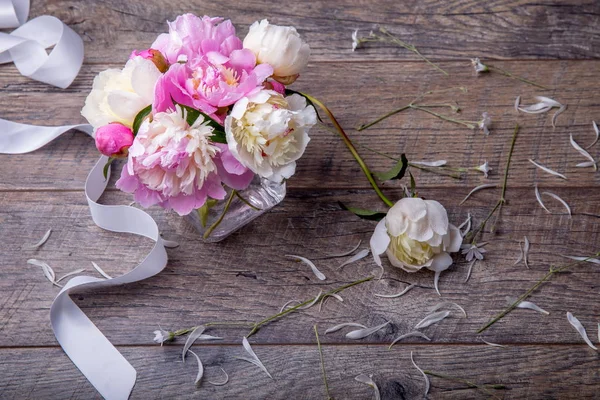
[
  {"x": 155, "y": 56},
  {"x": 114, "y": 139}
]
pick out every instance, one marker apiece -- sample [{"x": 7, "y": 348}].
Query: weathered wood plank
[
  {"x": 447, "y": 30},
  {"x": 65, "y": 163},
  {"x": 532, "y": 372},
  {"x": 248, "y": 278}
]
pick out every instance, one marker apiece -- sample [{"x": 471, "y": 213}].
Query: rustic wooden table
[{"x": 247, "y": 276}]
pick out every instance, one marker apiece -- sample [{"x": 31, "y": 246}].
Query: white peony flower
[
  {"x": 279, "y": 46},
  {"x": 118, "y": 95},
  {"x": 267, "y": 132},
  {"x": 416, "y": 234}
]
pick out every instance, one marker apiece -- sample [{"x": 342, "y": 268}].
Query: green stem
[
  {"x": 468, "y": 124},
  {"x": 510, "y": 75},
  {"x": 322, "y": 364},
  {"x": 378, "y": 120},
  {"x": 532, "y": 289},
  {"x": 352, "y": 149},
  {"x": 467, "y": 382},
  {"x": 239, "y": 196},
  {"x": 439, "y": 171},
  {"x": 218, "y": 221}
]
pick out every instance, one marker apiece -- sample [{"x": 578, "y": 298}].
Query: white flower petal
[
  {"x": 539, "y": 198},
  {"x": 343, "y": 325},
  {"x": 257, "y": 361},
  {"x": 548, "y": 170},
  {"x": 438, "y": 217},
  {"x": 195, "y": 334},
  {"x": 312, "y": 266},
  {"x": 597, "y": 132},
  {"x": 42, "y": 240},
  {"x": 393, "y": 296},
  {"x": 369, "y": 381},
  {"x": 527, "y": 305},
  {"x": 448, "y": 303},
  {"x": 410, "y": 334},
  {"x": 476, "y": 189},
  {"x": 223, "y": 382},
  {"x": 101, "y": 271},
  {"x": 588, "y": 259},
  {"x": 493, "y": 344},
  {"x": 469, "y": 271},
  {"x": 312, "y": 303},
  {"x": 526, "y": 246},
  {"x": 77, "y": 271},
  {"x": 422, "y": 373},
  {"x": 517, "y": 103},
  {"x": 577, "y": 325},
  {"x": 346, "y": 253},
  {"x": 283, "y": 307},
  {"x": 432, "y": 319},
  {"x": 440, "y": 262},
  {"x": 362, "y": 333},
  {"x": 556, "y": 197},
  {"x": 438, "y": 163},
  {"x": 358, "y": 256},
  {"x": 200, "y": 368},
  {"x": 379, "y": 241},
  {"x": 583, "y": 152}
]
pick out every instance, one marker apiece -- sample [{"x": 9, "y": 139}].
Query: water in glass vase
[{"x": 215, "y": 224}]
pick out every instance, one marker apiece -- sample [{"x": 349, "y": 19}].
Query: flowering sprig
[{"x": 481, "y": 67}]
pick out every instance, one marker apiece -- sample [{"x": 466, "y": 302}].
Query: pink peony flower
[
  {"x": 177, "y": 166},
  {"x": 114, "y": 139}
]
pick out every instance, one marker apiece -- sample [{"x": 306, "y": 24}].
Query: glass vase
[{"x": 215, "y": 224}]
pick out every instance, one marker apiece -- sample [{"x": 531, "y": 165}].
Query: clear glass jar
[{"x": 259, "y": 197}]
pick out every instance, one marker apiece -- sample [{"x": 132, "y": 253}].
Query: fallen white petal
[
  {"x": 362, "y": 378},
  {"x": 200, "y": 369},
  {"x": 526, "y": 246},
  {"x": 588, "y": 259},
  {"x": 362, "y": 333},
  {"x": 583, "y": 152},
  {"x": 432, "y": 319},
  {"x": 222, "y": 382},
  {"x": 346, "y": 253},
  {"x": 287, "y": 304},
  {"x": 101, "y": 271},
  {"x": 438, "y": 163},
  {"x": 597, "y": 132},
  {"x": 42, "y": 240},
  {"x": 493, "y": 344},
  {"x": 410, "y": 334},
  {"x": 548, "y": 170},
  {"x": 527, "y": 305},
  {"x": 436, "y": 278},
  {"x": 48, "y": 271},
  {"x": 249, "y": 350},
  {"x": 393, "y": 296},
  {"x": 556, "y": 197},
  {"x": 312, "y": 266},
  {"x": 422, "y": 373},
  {"x": 191, "y": 339},
  {"x": 343, "y": 325},
  {"x": 448, "y": 303},
  {"x": 469, "y": 270},
  {"x": 358, "y": 256},
  {"x": 517, "y": 103},
  {"x": 556, "y": 114},
  {"x": 77, "y": 271},
  {"x": 586, "y": 164},
  {"x": 577, "y": 325},
  {"x": 539, "y": 198},
  {"x": 476, "y": 189},
  {"x": 325, "y": 297},
  {"x": 209, "y": 337},
  {"x": 520, "y": 255},
  {"x": 548, "y": 101},
  {"x": 467, "y": 222},
  {"x": 312, "y": 303}
]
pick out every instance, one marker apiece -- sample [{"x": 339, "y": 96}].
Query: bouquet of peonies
[{"x": 202, "y": 111}]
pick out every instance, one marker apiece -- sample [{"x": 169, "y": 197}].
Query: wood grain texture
[
  {"x": 65, "y": 163},
  {"x": 248, "y": 278},
  {"x": 441, "y": 30},
  {"x": 531, "y": 372}
]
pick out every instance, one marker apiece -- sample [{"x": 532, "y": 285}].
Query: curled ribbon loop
[
  {"x": 13, "y": 13},
  {"x": 26, "y": 46}
]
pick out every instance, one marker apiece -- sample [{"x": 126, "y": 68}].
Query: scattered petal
[
  {"x": 544, "y": 104},
  {"x": 438, "y": 163},
  {"x": 362, "y": 333},
  {"x": 526, "y": 246},
  {"x": 221, "y": 383},
  {"x": 583, "y": 152},
  {"x": 556, "y": 197},
  {"x": 517, "y": 103},
  {"x": 358, "y": 256},
  {"x": 325, "y": 297},
  {"x": 367, "y": 379},
  {"x": 448, "y": 303},
  {"x": 577, "y": 325},
  {"x": 467, "y": 223},
  {"x": 312, "y": 303},
  {"x": 410, "y": 334},
  {"x": 588, "y": 259},
  {"x": 479, "y": 66},
  {"x": 556, "y": 114},
  {"x": 170, "y": 244},
  {"x": 347, "y": 253},
  {"x": 432, "y": 319},
  {"x": 587, "y": 164},
  {"x": 287, "y": 304},
  {"x": 77, "y": 271},
  {"x": 345, "y": 324},
  {"x": 48, "y": 271},
  {"x": 539, "y": 198},
  {"x": 393, "y": 296},
  {"x": 200, "y": 369},
  {"x": 312, "y": 266},
  {"x": 101, "y": 271},
  {"x": 191, "y": 339},
  {"x": 436, "y": 279},
  {"x": 355, "y": 42},
  {"x": 493, "y": 344},
  {"x": 527, "y": 305},
  {"x": 209, "y": 337},
  {"x": 255, "y": 358},
  {"x": 548, "y": 170},
  {"x": 422, "y": 373},
  {"x": 476, "y": 189},
  {"x": 485, "y": 123},
  {"x": 469, "y": 270},
  {"x": 42, "y": 240},
  {"x": 520, "y": 255},
  {"x": 597, "y": 132}
]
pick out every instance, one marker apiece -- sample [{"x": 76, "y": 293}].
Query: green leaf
[
  {"x": 289, "y": 92},
  {"x": 139, "y": 118},
  {"x": 371, "y": 215},
  {"x": 397, "y": 171},
  {"x": 413, "y": 185},
  {"x": 219, "y": 137},
  {"x": 203, "y": 211},
  {"x": 193, "y": 114},
  {"x": 105, "y": 169}
]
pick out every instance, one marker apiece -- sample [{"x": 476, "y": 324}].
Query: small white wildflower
[
  {"x": 161, "y": 336},
  {"x": 485, "y": 168},
  {"x": 355, "y": 41},
  {"x": 485, "y": 123},
  {"x": 479, "y": 66},
  {"x": 473, "y": 251}
]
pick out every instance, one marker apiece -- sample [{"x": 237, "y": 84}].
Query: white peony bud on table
[
  {"x": 268, "y": 132},
  {"x": 279, "y": 46},
  {"x": 416, "y": 234}
]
